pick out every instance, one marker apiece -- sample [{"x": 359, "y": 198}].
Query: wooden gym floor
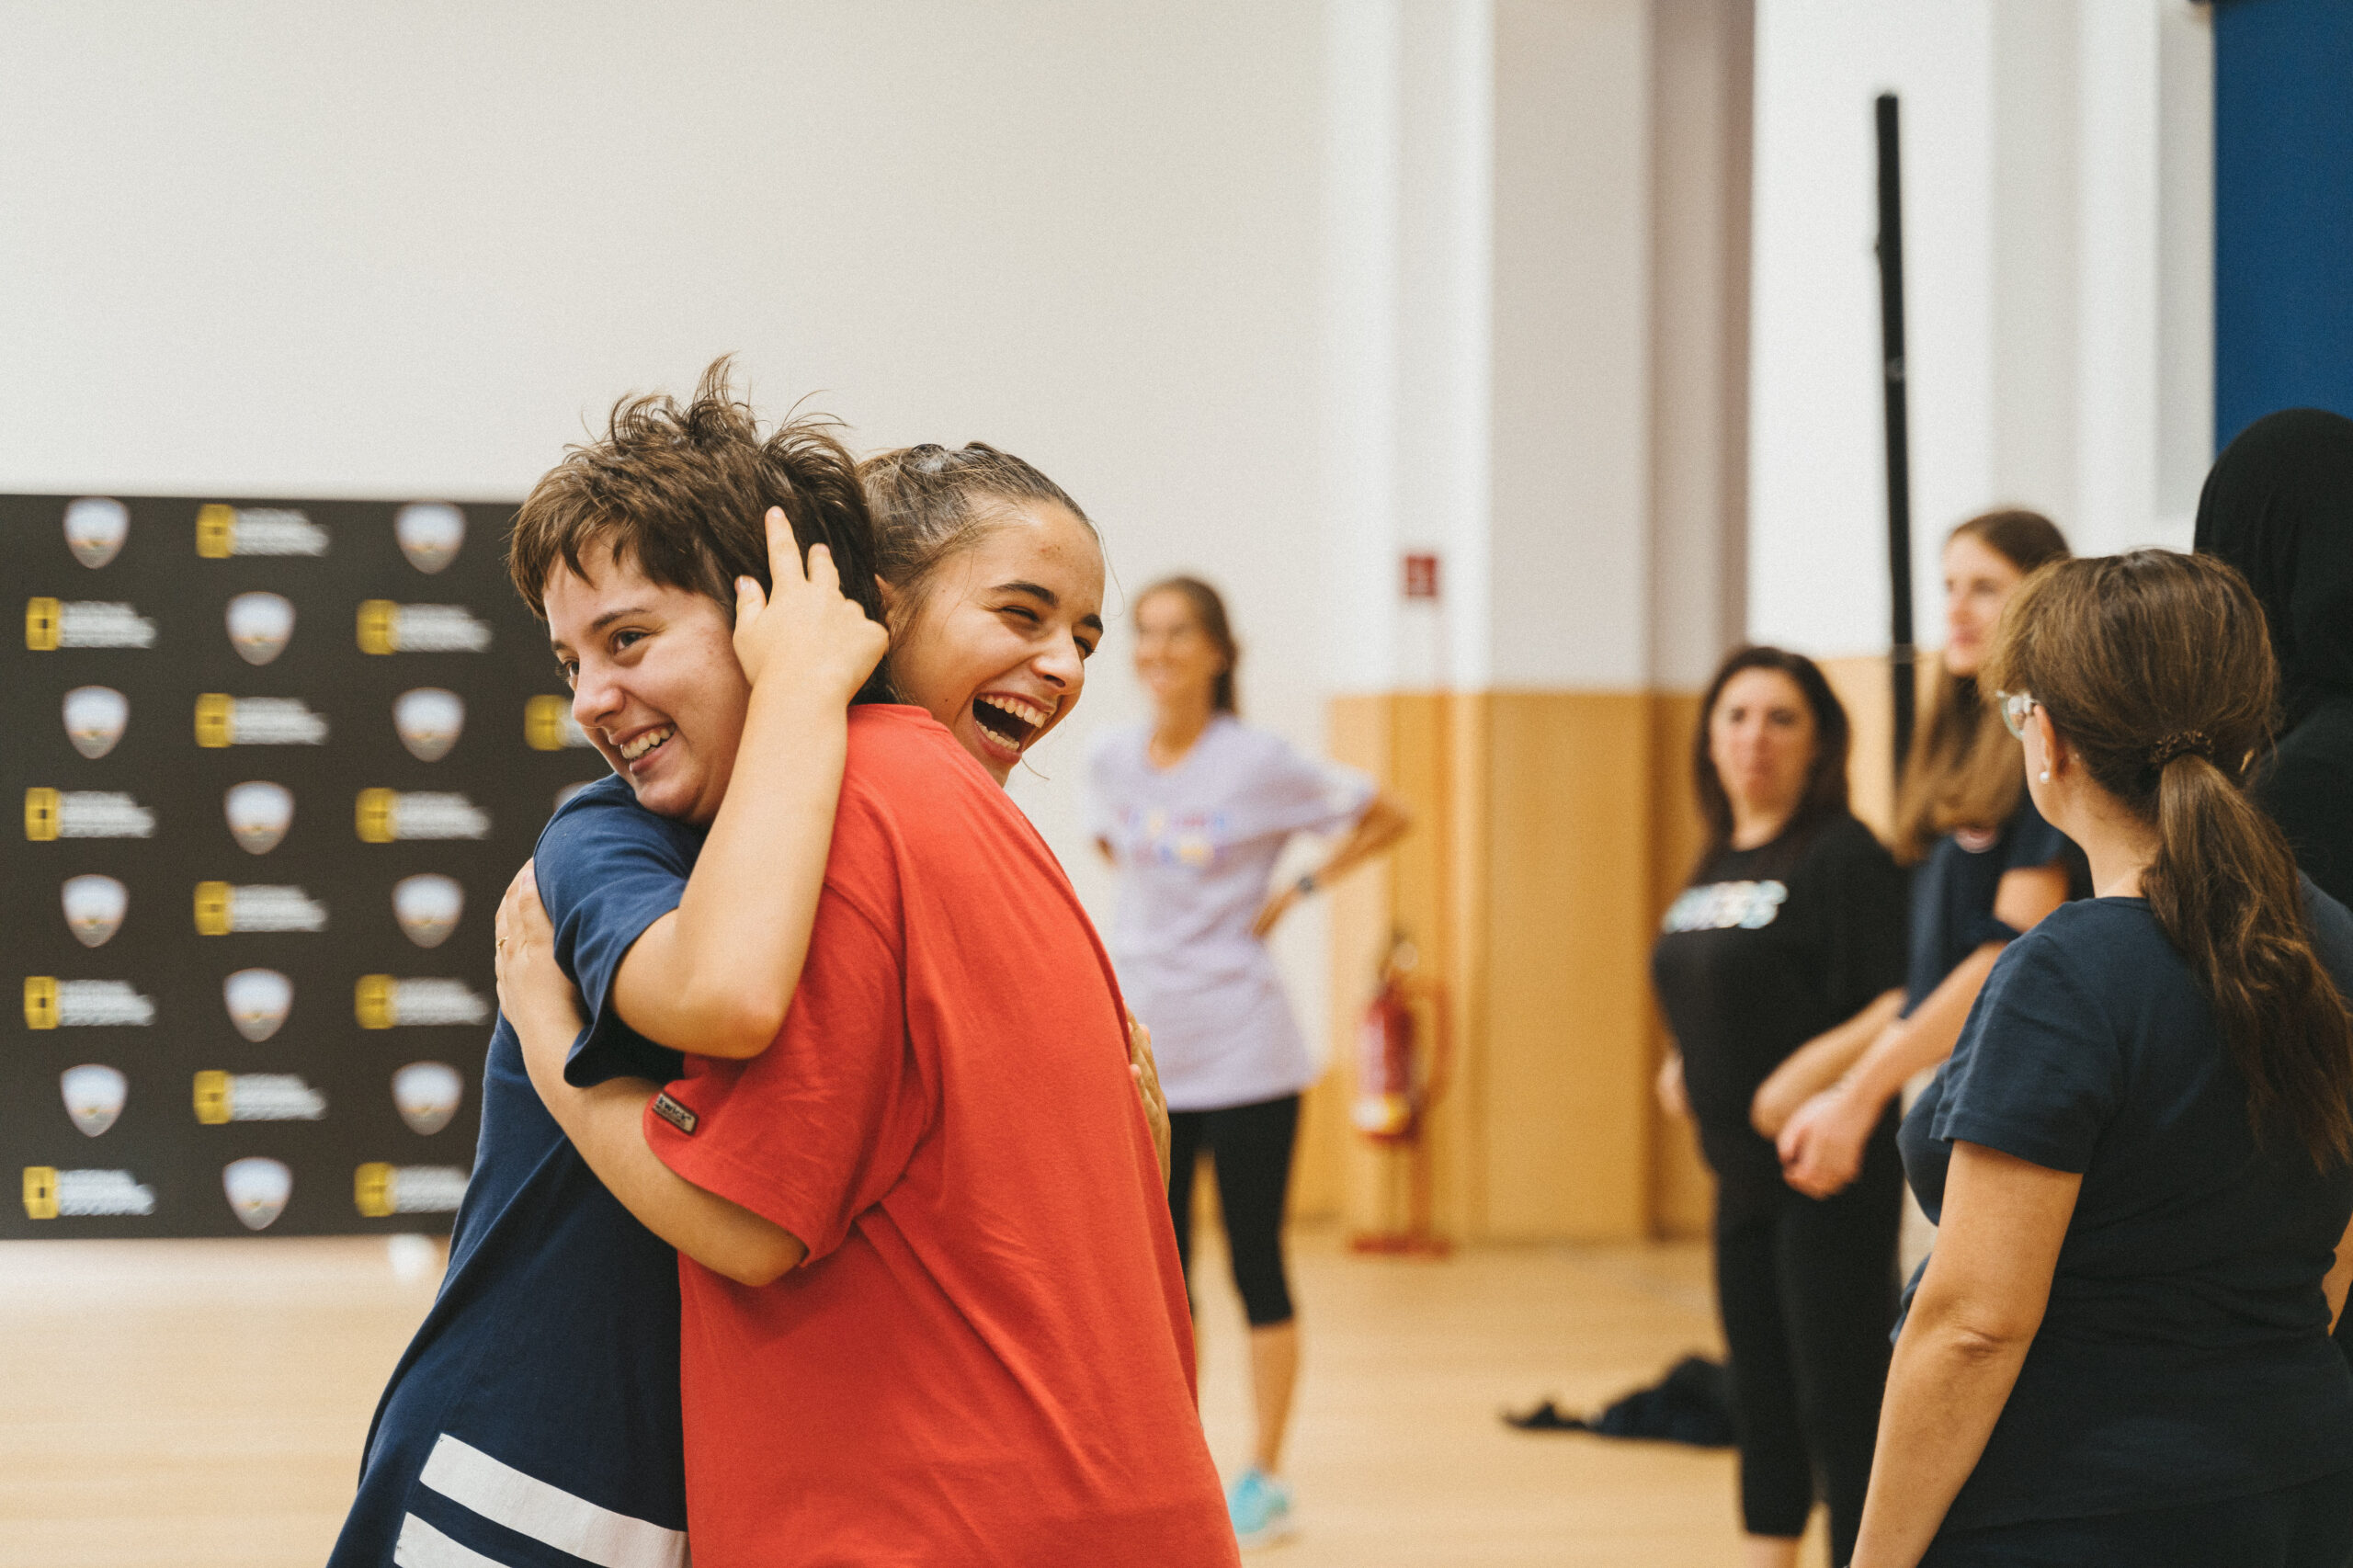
[{"x": 202, "y": 1404}]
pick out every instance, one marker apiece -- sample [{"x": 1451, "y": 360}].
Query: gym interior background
[{"x": 1576, "y": 297}]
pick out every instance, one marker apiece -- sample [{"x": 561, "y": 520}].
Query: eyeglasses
[{"x": 2016, "y": 706}]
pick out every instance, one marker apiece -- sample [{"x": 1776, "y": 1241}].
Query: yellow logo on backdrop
[
  {"x": 543, "y": 720},
  {"x": 40, "y": 815},
  {"x": 41, "y": 616},
  {"x": 376, "y": 625},
  {"x": 372, "y": 1190},
  {"x": 215, "y": 727},
  {"x": 41, "y": 1192},
  {"x": 213, "y": 1099},
  {"x": 371, "y": 1001},
  {"x": 211, "y": 909},
  {"x": 40, "y": 1002},
  {"x": 375, "y": 815},
  {"x": 216, "y": 531}
]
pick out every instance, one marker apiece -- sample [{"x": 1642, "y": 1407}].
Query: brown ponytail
[{"x": 2156, "y": 669}]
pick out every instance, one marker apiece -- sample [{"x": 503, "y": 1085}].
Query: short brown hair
[
  {"x": 682, "y": 493},
  {"x": 1826, "y": 782},
  {"x": 2156, "y": 668}
]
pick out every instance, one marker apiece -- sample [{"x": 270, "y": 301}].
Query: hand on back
[{"x": 804, "y": 632}]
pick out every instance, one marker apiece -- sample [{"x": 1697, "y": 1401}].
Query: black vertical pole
[{"x": 1899, "y": 434}]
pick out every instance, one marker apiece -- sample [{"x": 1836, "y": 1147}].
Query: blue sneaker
[{"x": 1259, "y": 1506}]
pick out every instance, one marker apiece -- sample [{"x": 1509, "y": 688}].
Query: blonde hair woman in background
[
  {"x": 1988, "y": 868},
  {"x": 1195, "y": 809}
]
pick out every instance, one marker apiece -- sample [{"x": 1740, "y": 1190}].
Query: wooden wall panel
[
  {"x": 1683, "y": 1190},
  {"x": 1566, "y": 1112}
]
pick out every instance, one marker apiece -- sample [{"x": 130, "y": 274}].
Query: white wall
[
  {"x": 2057, "y": 227},
  {"x": 1818, "y": 519},
  {"x": 392, "y": 250}
]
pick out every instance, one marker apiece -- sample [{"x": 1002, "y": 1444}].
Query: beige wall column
[{"x": 1565, "y": 344}]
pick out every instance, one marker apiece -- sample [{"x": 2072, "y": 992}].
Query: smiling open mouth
[
  {"x": 1009, "y": 718},
  {"x": 645, "y": 744}
]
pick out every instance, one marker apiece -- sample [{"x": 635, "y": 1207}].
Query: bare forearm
[
  {"x": 606, "y": 1124},
  {"x": 1926, "y": 1038},
  {"x": 1381, "y": 825},
  {"x": 1819, "y": 1063},
  {"x": 717, "y": 978},
  {"x": 1945, "y": 1391}
]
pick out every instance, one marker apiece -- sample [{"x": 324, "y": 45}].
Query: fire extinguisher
[
  {"x": 1397, "y": 1082},
  {"x": 1388, "y": 1106}
]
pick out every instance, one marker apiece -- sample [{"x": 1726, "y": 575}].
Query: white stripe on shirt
[
  {"x": 530, "y": 1507},
  {"x": 422, "y": 1546}
]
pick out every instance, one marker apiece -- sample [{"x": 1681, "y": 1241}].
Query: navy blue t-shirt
[
  {"x": 2185, "y": 1354},
  {"x": 1953, "y": 891},
  {"x": 534, "y": 1418}
]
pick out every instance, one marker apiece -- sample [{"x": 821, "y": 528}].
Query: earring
[{"x": 2046, "y": 776}]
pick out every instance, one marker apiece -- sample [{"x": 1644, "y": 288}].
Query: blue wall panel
[{"x": 2283, "y": 208}]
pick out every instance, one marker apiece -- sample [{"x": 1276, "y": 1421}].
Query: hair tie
[{"x": 2181, "y": 742}]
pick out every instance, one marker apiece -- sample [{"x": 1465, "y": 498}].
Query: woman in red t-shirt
[{"x": 932, "y": 1305}]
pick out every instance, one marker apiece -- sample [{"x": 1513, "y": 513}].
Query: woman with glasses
[
  {"x": 1791, "y": 930},
  {"x": 2141, "y": 1153},
  {"x": 1988, "y": 868}
]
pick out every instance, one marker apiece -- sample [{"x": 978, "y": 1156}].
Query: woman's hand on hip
[
  {"x": 803, "y": 630},
  {"x": 1270, "y": 914}
]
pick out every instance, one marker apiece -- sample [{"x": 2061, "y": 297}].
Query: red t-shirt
[{"x": 988, "y": 1356}]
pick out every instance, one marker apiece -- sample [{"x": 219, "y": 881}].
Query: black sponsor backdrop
[{"x": 160, "y": 573}]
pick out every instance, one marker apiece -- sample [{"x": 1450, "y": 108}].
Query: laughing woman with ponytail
[{"x": 2138, "y": 1153}]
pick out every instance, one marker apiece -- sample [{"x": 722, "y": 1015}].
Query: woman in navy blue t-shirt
[
  {"x": 2139, "y": 1151},
  {"x": 1986, "y": 868}
]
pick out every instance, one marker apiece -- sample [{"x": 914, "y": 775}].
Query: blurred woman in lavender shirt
[{"x": 1195, "y": 810}]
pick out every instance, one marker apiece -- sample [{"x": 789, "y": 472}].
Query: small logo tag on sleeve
[{"x": 673, "y": 1113}]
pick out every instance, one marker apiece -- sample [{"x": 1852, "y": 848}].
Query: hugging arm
[
  {"x": 715, "y": 975},
  {"x": 605, "y": 1123}
]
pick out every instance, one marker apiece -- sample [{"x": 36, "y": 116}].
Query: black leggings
[
  {"x": 2309, "y": 1525},
  {"x": 1250, "y": 1145},
  {"x": 1807, "y": 1290}
]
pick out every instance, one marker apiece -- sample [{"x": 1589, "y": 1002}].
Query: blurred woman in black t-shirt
[{"x": 1792, "y": 930}]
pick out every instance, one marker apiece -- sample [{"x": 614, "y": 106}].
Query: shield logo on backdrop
[
  {"x": 429, "y": 533},
  {"x": 95, "y": 716},
  {"x": 258, "y": 1001},
  {"x": 259, "y": 815},
  {"x": 94, "y": 907},
  {"x": 429, "y": 720},
  {"x": 94, "y": 1097},
  {"x": 259, "y": 625},
  {"x": 427, "y": 907},
  {"x": 95, "y": 529},
  {"x": 427, "y": 1094},
  {"x": 257, "y": 1190}
]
